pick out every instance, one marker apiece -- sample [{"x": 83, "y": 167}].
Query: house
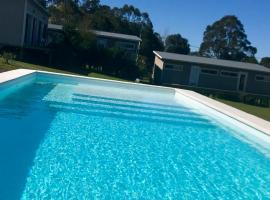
[
  {"x": 55, "y": 33},
  {"x": 213, "y": 74},
  {"x": 130, "y": 43},
  {"x": 23, "y": 23}
]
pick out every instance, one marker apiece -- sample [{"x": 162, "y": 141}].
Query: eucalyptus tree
[
  {"x": 226, "y": 39},
  {"x": 177, "y": 44},
  {"x": 265, "y": 62}
]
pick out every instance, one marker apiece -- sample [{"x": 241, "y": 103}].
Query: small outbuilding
[
  {"x": 129, "y": 43},
  {"x": 212, "y": 74}
]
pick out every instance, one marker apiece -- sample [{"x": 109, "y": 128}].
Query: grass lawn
[
  {"x": 261, "y": 112},
  {"x": 19, "y": 65},
  {"x": 103, "y": 76}
]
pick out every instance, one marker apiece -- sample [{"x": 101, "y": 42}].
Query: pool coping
[
  {"x": 236, "y": 114},
  {"x": 14, "y": 74}
]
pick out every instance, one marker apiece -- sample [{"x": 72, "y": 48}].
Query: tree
[
  {"x": 130, "y": 20},
  {"x": 251, "y": 59},
  {"x": 177, "y": 44},
  {"x": 226, "y": 39},
  {"x": 89, "y": 14},
  {"x": 90, "y": 6},
  {"x": 42, "y": 2},
  {"x": 64, "y": 12},
  {"x": 265, "y": 62}
]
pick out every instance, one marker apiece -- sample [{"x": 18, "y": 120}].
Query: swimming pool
[{"x": 66, "y": 137}]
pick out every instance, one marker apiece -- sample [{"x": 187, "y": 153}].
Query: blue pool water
[{"x": 66, "y": 139}]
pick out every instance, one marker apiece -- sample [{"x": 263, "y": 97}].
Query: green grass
[
  {"x": 22, "y": 65},
  {"x": 261, "y": 112},
  {"x": 103, "y": 76}
]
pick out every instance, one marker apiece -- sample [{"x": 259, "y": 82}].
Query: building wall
[
  {"x": 36, "y": 23},
  {"x": 176, "y": 76},
  {"x": 20, "y": 17},
  {"x": 157, "y": 71},
  {"x": 258, "y": 87},
  {"x": 11, "y": 21},
  {"x": 159, "y": 62},
  {"x": 131, "y": 46},
  {"x": 219, "y": 81}
]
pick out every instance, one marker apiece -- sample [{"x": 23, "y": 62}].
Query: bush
[
  {"x": 117, "y": 62},
  {"x": 8, "y": 56}
]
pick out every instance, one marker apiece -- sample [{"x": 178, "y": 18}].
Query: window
[
  {"x": 209, "y": 71},
  {"x": 102, "y": 43},
  {"x": 174, "y": 67},
  {"x": 34, "y": 36},
  {"x": 27, "y": 30},
  {"x": 39, "y": 33},
  {"x": 127, "y": 45},
  {"x": 229, "y": 74},
  {"x": 262, "y": 78}
]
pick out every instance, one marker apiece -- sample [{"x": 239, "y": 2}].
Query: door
[
  {"x": 242, "y": 81},
  {"x": 194, "y": 75}
]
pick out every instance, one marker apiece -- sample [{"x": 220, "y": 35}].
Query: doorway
[
  {"x": 242, "y": 81},
  {"x": 194, "y": 75}
]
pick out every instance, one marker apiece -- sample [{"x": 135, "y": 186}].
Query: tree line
[{"x": 224, "y": 39}]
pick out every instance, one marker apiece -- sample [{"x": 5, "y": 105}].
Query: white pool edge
[
  {"x": 14, "y": 74},
  {"x": 234, "y": 113},
  {"x": 241, "y": 116}
]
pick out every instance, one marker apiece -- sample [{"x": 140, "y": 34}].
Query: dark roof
[
  {"x": 117, "y": 35},
  {"x": 211, "y": 61},
  {"x": 101, "y": 33}
]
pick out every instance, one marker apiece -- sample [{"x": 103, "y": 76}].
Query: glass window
[
  {"x": 209, "y": 71},
  {"x": 262, "y": 78},
  {"x": 229, "y": 74},
  {"x": 27, "y": 30},
  {"x": 127, "y": 45},
  {"x": 174, "y": 67},
  {"x": 102, "y": 43}
]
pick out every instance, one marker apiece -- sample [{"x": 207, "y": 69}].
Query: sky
[{"x": 190, "y": 18}]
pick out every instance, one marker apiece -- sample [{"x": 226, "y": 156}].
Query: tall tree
[
  {"x": 226, "y": 39},
  {"x": 265, "y": 62},
  {"x": 42, "y": 2},
  {"x": 89, "y": 14},
  {"x": 251, "y": 59},
  {"x": 64, "y": 12},
  {"x": 177, "y": 44},
  {"x": 90, "y": 6}
]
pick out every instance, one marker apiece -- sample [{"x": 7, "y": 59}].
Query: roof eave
[
  {"x": 102, "y": 34},
  {"x": 156, "y": 53},
  {"x": 120, "y": 38}
]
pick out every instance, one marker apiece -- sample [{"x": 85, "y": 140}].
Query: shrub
[{"x": 8, "y": 56}]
